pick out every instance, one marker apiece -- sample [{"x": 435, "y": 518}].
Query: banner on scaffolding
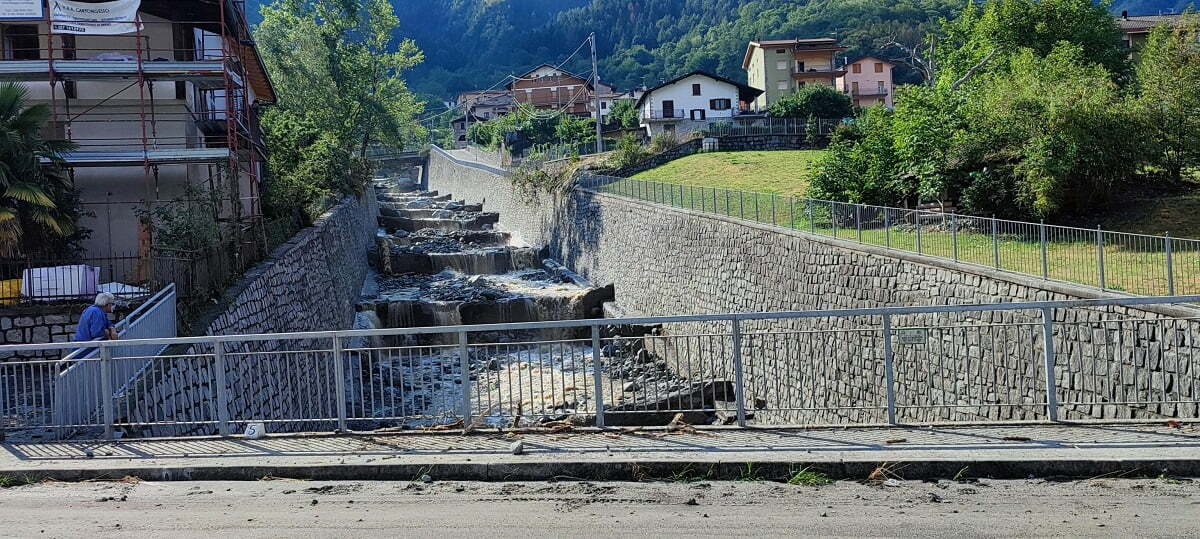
[
  {"x": 22, "y": 10},
  {"x": 104, "y": 18}
]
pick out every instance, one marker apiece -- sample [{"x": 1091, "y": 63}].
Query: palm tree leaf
[{"x": 30, "y": 193}]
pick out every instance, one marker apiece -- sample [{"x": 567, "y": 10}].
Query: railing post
[
  {"x": 833, "y": 217},
  {"x": 464, "y": 360},
  {"x": 738, "y": 374},
  {"x": 918, "y": 214},
  {"x": 1045, "y": 259},
  {"x": 741, "y": 205},
  {"x": 1100, "y": 257},
  {"x": 728, "y": 208},
  {"x": 106, "y": 392},
  {"x": 792, "y": 211},
  {"x": 597, "y": 372},
  {"x": 1048, "y": 355},
  {"x": 889, "y": 373},
  {"x": 858, "y": 221},
  {"x": 339, "y": 374},
  {"x": 773, "y": 209},
  {"x": 222, "y": 389},
  {"x": 887, "y": 228},
  {"x": 954, "y": 236},
  {"x": 1170, "y": 265},
  {"x": 995, "y": 244},
  {"x": 812, "y": 225}
]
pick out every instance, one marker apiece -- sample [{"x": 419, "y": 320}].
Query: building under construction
[{"x": 163, "y": 103}]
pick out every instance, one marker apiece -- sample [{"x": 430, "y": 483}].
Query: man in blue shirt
[{"x": 94, "y": 323}]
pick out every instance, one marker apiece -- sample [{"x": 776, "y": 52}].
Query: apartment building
[
  {"x": 868, "y": 82},
  {"x": 780, "y": 67},
  {"x": 162, "y": 95},
  {"x": 547, "y": 87}
]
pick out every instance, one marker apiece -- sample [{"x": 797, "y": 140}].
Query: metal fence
[
  {"x": 80, "y": 381},
  {"x": 1044, "y": 361},
  {"x": 762, "y": 125},
  {"x": 1133, "y": 263}
]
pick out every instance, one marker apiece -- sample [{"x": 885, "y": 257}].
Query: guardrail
[
  {"x": 1133, "y": 263},
  {"x": 1039, "y": 361}
]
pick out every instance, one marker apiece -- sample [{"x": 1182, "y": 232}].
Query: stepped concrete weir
[{"x": 441, "y": 262}]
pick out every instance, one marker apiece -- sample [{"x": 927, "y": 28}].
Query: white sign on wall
[
  {"x": 22, "y": 10},
  {"x": 104, "y": 18}
]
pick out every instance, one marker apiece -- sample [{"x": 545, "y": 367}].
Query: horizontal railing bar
[{"x": 477, "y": 328}]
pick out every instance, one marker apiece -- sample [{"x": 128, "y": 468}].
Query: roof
[
  {"x": 1141, "y": 24},
  {"x": 869, "y": 57},
  {"x": 745, "y": 93},
  {"x": 587, "y": 81},
  {"x": 810, "y": 43}
]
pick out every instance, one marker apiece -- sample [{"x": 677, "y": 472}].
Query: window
[
  {"x": 698, "y": 115},
  {"x": 695, "y": 89},
  {"x": 21, "y": 43},
  {"x": 800, "y": 67},
  {"x": 857, "y": 68},
  {"x": 882, "y": 88},
  {"x": 783, "y": 85},
  {"x": 780, "y": 51},
  {"x": 854, "y": 87},
  {"x": 604, "y": 105},
  {"x": 720, "y": 104},
  {"x": 781, "y": 65},
  {"x": 879, "y": 67}
]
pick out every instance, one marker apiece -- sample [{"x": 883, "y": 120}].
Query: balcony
[
  {"x": 874, "y": 92},
  {"x": 818, "y": 73},
  {"x": 666, "y": 115}
]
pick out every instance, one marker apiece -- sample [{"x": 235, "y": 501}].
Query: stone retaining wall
[
  {"x": 669, "y": 261},
  {"x": 310, "y": 283}
]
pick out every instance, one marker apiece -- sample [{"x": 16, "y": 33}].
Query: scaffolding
[{"x": 214, "y": 67}]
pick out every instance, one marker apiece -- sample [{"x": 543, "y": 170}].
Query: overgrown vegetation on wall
[
  {"x": 338, "y": 72},
  {"x": 1034, "y": 110}
]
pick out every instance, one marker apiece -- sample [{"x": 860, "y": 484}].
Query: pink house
[{"x": 868, "y": 81}]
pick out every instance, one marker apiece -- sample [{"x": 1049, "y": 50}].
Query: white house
[{"x": 692, "y": 101}]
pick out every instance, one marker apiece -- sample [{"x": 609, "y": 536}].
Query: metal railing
[
  {"x": 79, "y": 381},
  {"x": 1040, "y": 361},
  {"x": 1137, "y": 264},
  {"x": 760, "y": 126}
]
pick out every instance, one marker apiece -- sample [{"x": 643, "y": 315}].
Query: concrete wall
[
  {"x": 310, "y": 283},
  {"x": 668, "y": 261}
]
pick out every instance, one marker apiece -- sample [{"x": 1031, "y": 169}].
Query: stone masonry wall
[
  {"x": 670, "y": 261},
  {"x": 310, "y": 283}
]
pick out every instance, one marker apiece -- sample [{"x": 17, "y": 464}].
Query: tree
[
  {"x": 1168, "y": 80},
  {"x": 39, "y": 206},
  {"x": 861, "y": 165},
  {"x": 814, "y": 100},
  {"x": 624, "y": 113},
  {"x": 339, "y": 76}
]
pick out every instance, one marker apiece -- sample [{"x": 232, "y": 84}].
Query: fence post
[
  {"x": 597, "y": 371},
  {"x": 833, "y": 217},
  {"x": 792, "y": 211},
  {"x": 738, "y": 378},
  {"x": 339, "y": 374},
  {"x": 887, "y": 228},
  {"x": 757, "y": 214},
  {"x": 995, "y": 244},
  {"x": 222, "y": 389},
  {"x": 1045, "y": 259},
  {"x": 728, "y": 208},
  {"x": 773, "y": 209},
  {"x": 1100, "y": 256},
  {"x": 106, "y": 392},
  {"x": 1170, "y": 266},
  {"x": 812, "y": 225},
  {"x": 918, "y": 231},
  {"x": 858, "y": 221},
  {"x": 1048, "y": 355},
  {"x": 464, "y": 360},
  {"x": 889, "y": 372},
  {"x": 741, "y": 205},
  {"x": 954, "y": 236}
]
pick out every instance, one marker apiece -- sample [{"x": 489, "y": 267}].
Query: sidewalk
[{"x": 852, "y": 453}]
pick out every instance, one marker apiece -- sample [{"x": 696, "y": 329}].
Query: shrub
[
  {"x": 663, "y": 142},
  {"x": 814, "y": 100},
  {"x": 628, "y": 152}
]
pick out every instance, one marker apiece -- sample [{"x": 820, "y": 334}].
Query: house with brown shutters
[{"x": 547, "y": 87}]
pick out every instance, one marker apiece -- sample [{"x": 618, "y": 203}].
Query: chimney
[{"x": 1125, "y": 14}]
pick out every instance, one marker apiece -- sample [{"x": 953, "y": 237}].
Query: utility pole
[
  {"x": 596, "y": 95},
  {"x": 467, "y": 123}
]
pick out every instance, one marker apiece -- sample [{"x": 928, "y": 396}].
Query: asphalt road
[{"x": 289, "y": 508}]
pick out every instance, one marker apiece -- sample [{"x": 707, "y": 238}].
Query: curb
[{"x": 643, "y": 470}]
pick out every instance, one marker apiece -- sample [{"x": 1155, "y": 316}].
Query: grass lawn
[{"x": 779, "y": 172}]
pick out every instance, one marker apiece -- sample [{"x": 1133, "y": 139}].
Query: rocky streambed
[{"x": 442, "y": 263}]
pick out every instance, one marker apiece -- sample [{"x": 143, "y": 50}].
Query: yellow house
[{"x": 780, "y": 67}]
